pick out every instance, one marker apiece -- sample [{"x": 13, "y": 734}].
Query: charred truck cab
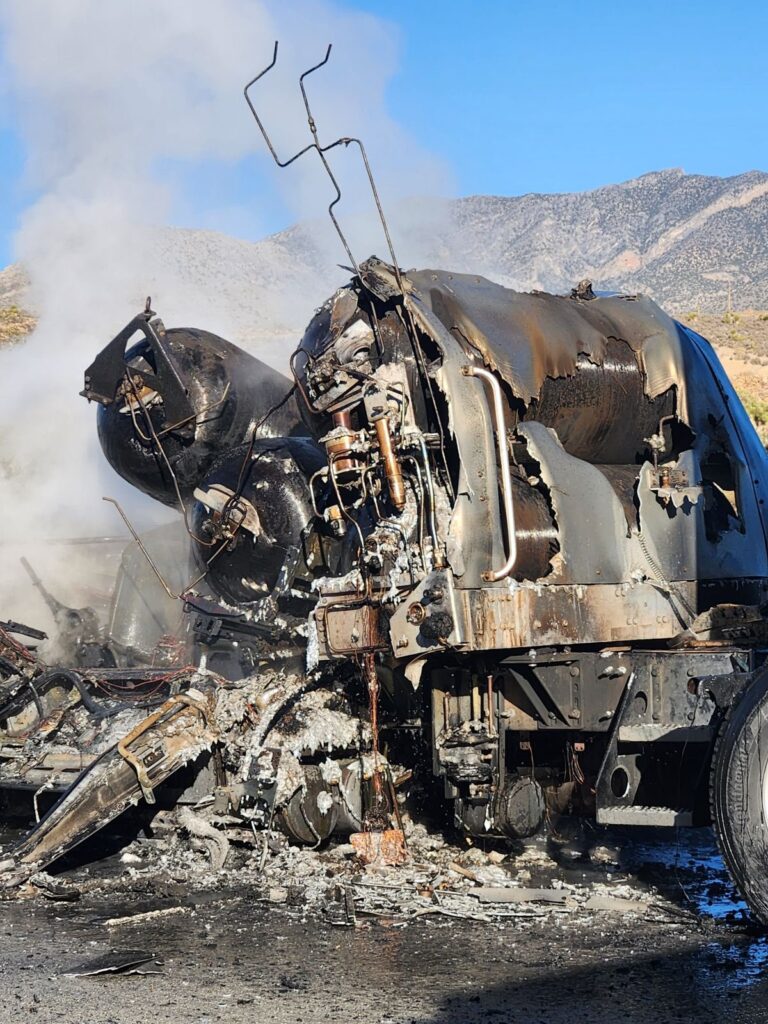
[
  {"x": 520, "y": 538},
  {"x": 509, "y": 546},
  {"x": 560, "y": 512},
  {"x": 533, "y": 526}
]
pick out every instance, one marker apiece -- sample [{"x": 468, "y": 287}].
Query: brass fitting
[{"x": 338, "y": 445}]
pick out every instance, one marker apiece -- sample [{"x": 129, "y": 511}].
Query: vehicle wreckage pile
[{"x": 500, "y": 552}]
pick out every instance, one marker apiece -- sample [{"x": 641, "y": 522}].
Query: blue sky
[{"x": 521, "y": 97}]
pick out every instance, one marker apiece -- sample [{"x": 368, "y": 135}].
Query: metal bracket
[
  {"x": 109, "y": 367},
  {"x": 603, "y": 793},
  {"x": 725, "y": 689}
]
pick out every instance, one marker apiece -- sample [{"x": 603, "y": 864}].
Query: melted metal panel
[
  {"x": 533, "y": 615},
  {"x": 529, "y": 337},
  {"x": 590, "y": 518}
]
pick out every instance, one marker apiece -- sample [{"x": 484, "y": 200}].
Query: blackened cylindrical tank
[
  {"x": 259, "y": 497},
  {"x": 229, "y": 393},
  {"x": 535, "y": 531},
  {"x": 601, "y": 413}
]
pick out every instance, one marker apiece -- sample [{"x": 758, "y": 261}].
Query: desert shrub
[{"x": 758, "y": 412}]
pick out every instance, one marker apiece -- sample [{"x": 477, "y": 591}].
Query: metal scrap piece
[
  {"x": 172, "y": 737},
  {"x": 377, "y": 848},
  {"x": 117, "y": 961},
  {"x": 616, "y": 904},
  {"x": 340, "y": 909},
  {"x": 148, "y": 915},
  {"x": 518, "y": 894}
]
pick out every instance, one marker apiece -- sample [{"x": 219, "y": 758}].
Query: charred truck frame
[{"x": 521, "y": 534}]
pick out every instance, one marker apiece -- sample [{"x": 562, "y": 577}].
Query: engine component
[
  {"x": 520, "y": 807},
  {"x": 331, "y": 798}
]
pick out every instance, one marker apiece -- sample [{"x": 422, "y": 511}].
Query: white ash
[
  {"x": 324, "y": 802},
  {"x": 320, "y": 727},
  {"x": 290, "y": 778},
  {"x": 331, "y": 772}
]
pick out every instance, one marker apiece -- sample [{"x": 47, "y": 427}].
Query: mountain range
[{"x": 687, "y": 240}]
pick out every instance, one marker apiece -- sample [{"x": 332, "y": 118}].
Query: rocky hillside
[
  {"x": 685, "y": 239},
  {"x": 694, "y": 243},
  {"x": 14, "y": 286},
  {"x": 690, "y": 241},
  {"x": 15, "y": 325},
  {"x": 15, "y": 322}
]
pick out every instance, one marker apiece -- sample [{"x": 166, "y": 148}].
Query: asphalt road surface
[{"x": 229, "y": 955}]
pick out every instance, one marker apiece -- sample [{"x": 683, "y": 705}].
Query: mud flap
[{"x": 159, "y": 745}]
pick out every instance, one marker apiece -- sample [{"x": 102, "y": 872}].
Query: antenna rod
[{"x": 321, "y": 151}]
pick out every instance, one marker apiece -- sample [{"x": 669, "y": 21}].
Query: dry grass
[
  {"x": 741, "y": 334},
  {"x": 15, "y": 325},
  {"x": 740, "y": 338}
]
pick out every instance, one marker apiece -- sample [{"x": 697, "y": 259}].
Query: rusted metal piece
[
  {"x": 378, "y": 813},
  {"x": 349, "y": 625},
  {"x": 379, "y": 849},
  {"x": 529, "y": 616}
]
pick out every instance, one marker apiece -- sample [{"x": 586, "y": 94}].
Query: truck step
[{"x": 665, "y": 817}]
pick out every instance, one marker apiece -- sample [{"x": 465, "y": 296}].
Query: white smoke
[{"x": 110, "y": 94}]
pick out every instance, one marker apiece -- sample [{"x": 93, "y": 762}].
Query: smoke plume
[{"x": 117, "y": 100}]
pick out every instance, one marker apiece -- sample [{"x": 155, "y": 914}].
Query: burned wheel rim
[{"x": 739, "y": 794}]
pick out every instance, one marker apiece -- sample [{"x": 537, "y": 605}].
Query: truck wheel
[{"x": 739, "y": 795}]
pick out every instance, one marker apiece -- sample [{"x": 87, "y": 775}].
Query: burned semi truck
[
  {"x": 510, "y": 545},
  {"x": 497, "y": 552}
]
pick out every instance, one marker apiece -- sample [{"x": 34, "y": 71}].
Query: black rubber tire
[{"x": 739, "y": 761}]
